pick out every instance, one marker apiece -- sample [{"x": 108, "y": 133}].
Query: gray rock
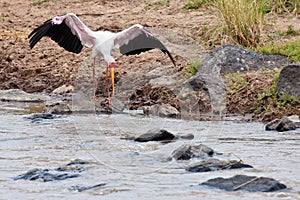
[
  {"x": 205, "y": 93},
  {"x": 185, "y": 136},
  {"x": 71, "y": 170},
  {"x": 289, "y": 80},
  {"x": 248, "y": 183},
  {"x": 213, "y": 164},
  {"x": 78, "y": 188},
  {"x": 188, "y": 151},
  {"x": 16, "y": 95},
  {"x": 155, "y": 135},
  {"x": 63, "y": 89},
  {"x": 283, "y": 124},
  {"x": 163, "y": 110},
  {"x": 39, "y": 117},
  {"x": 233, "y": 59},
  {"x": 58, "y": 107}
]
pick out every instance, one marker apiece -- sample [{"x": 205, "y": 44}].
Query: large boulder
[
  {"x": 289, "y": 80},
  {"x": 234, "y": 59},
  {"x": 205, "y": 94}
]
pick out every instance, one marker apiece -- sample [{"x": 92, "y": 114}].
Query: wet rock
[
  {"x": 155, "y": 135},
  {"x": 289, "y": 80},
  {"x": 188, "y": 151},
  {"x": 16, "y": 95},
  {"x": 39, "y": 117},
  {"x": 63, "y": 89},
  {"x": 185, "y": 136},
  {"x": 248, "y": 183},
  {"x": 283, "y": 124},
  {"x": 78, "y": 162},
  {"x": 71, "y": 170},
  {"x": 48, "y": 175},
  {"x": 163, "y": 110},
  {"x": 58, "y": 106},
  {"x": 78, "y": 188},
  {"x": 213, "y": 164},
  {"x": 234, "y": 59}
]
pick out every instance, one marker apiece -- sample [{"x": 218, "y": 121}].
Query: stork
[{"x": 69, "y": 32}]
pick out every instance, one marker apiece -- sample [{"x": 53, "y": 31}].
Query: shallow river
[{"x": 134, "y": 170}]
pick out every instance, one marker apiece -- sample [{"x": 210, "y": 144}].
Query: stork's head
[{"x": 57, "y": 20}]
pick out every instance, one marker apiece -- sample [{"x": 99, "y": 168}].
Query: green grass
[
  {"x": 191, "y": 68},
  {"x": 196, "y": 4},
  {"x": 2, "y": 18},
  {"x": 291, "y": 49},
  {"x": 41, "y": 2},
  {"x": 156, "y": 5}
]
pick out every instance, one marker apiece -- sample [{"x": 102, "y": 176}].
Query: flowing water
[{"x": 134, "y": 170}]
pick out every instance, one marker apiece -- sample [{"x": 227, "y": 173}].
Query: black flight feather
[
  {"x": 143, "y": 43},
  {"x": 61, "y": 34}
]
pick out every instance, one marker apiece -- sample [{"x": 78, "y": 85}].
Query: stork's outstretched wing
[
  {"x": 137, "y": 39},
  {"x": 67, "y": 31}
]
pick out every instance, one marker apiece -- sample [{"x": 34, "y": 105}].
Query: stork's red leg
[
  {"x": 107, "y": 85},
  {"x": 94, "y": 80}
]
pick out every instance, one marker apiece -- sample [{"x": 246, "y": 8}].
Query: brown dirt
[{"x": 48, "y": 66}]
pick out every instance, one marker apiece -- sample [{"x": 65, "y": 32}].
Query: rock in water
[
  {"x": 71, "y": 170},
  {"x": 155, "y": 135},
  {"x": 78, "y": 188},
  {"x": 248, "y": 183},
  {"x": 17, "y": 95},
  {"x": 47, "y": 175},
  {"x": 163, "y": 110},
  {"x": 213, "y": 164},
  {"x": 283, "y": 124},
  {"x": 289, "y": 80},
  {"x": 188, "y": 151}
]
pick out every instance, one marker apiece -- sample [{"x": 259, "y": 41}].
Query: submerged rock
[
  {"x": 188, "y": 151},
  {"x": 39, "y": 117},
  {"x": 155, "y": 135},
  {"x": 284, "y": 124},
  {"x": 289, "y": 80},
  {"x": 248, "y": 183},
  {"x": 71, "y": 170},
  {"x": 78, "y": 188},
  {"x": 213, "y": 164},
  {"x": 48, "y": 175}
]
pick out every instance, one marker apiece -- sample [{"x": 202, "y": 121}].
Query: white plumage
[{"x": 72, "y": 34}]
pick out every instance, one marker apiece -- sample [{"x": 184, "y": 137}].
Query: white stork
[{"x": 69, "y": 32}]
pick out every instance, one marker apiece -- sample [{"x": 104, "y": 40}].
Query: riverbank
[{"x": 48, "y": 67}]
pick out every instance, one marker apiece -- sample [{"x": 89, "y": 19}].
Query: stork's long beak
[{"x": 112, "y": 75}]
